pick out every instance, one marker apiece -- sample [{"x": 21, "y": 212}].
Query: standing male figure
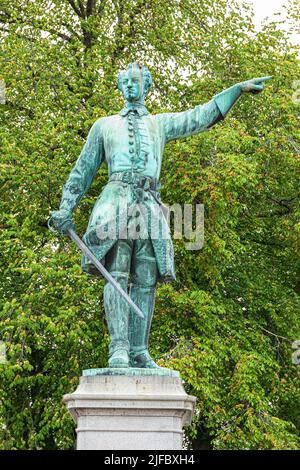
[{"x": 132, "y": 144}]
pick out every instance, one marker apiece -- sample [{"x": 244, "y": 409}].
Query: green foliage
[{"x": 228, "y": 322}]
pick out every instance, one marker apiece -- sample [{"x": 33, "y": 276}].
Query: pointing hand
[{"x": 256, "y": 85}]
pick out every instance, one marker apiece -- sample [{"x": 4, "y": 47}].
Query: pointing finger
[{"x": 262, "y": 79}]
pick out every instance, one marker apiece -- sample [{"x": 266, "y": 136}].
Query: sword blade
[{"x": 73, "y": 235}]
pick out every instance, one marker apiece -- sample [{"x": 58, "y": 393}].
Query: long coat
[{"x": 133, "y": 141}]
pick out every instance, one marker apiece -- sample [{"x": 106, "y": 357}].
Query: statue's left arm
[{"x": 202, "y": 117}]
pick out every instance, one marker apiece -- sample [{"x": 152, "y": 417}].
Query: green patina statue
[{"x": 132, "y": 144}]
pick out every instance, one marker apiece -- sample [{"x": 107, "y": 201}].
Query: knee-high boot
[
  {"x": 139, "y": 329},
  {"x": 117, "y": 316}
]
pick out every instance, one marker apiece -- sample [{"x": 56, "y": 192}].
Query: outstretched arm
[
  {"x": 80, "y": 179},
  {"x": 227, "y": 98},
  {"x": 184, "y": 124}
]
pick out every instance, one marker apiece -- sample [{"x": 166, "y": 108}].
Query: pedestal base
[{"x": 130, "y": 412}]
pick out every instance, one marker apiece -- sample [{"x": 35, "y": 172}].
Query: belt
[{"x": 139, "y": 181}]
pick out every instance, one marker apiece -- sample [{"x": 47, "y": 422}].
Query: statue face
[{"x": 132, "y": 86}]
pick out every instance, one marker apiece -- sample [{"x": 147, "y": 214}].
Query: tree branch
[
  {"x": 82, "y": 9},
  {"x": 76, "y": 9},
  {"x": 273, "y": 334},
  {"x": 90, "y": 7},
  {"x": 9, "y": 20},
  {"x": 292, "y": 142}
]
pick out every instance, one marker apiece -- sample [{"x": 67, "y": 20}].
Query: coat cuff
[
  {"x": 71, "y": 195},
  {"x": 227, "y": 98}
]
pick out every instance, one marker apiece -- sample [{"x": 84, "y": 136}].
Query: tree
[{"x": 229, "y": 321}]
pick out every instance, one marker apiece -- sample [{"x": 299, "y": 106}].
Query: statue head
[{"x": 135, "y": 82}]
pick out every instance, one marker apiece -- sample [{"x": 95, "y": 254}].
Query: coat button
[
  {"x": 131, "y": 150},
  {"x": 131, "y": 142}
]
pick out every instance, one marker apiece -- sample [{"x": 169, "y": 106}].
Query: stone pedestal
[{"x": 130, "y": 409}]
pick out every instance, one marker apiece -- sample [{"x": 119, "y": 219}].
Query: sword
[{"x": 73, "y": 235}]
